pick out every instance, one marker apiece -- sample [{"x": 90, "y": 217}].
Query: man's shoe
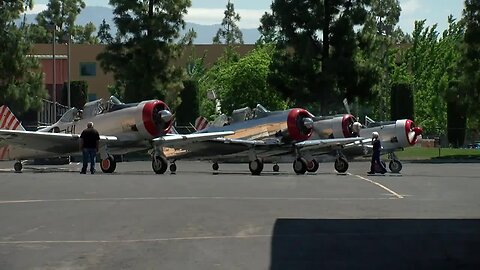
[
  {"x": 82, "y": 172},
  {"x": 92, "y": 172},
  {"x": 370, "y": 172}
]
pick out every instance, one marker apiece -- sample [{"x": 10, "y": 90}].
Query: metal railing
[{"x": 46, "y": 116}]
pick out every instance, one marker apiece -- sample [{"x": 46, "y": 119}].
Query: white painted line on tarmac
[
  {"x": 380, "y": 185},
  {"x": 191, "y": 198},
  {"x": 147, "y": 240}
]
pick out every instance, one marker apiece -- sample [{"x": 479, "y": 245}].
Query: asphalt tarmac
[{"x": 54, "y": 218}]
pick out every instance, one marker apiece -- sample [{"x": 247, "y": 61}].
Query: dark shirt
[
  {"x": 376, "y": 147},
  {"x": 90, "y": 137}
]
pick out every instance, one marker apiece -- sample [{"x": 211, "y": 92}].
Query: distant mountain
[{"x": 205, "y": 33}]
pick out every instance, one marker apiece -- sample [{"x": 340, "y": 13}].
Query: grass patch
[{"x": 438, "y": 153}]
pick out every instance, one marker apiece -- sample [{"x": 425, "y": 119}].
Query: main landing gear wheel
[
  {"x": 395, "y": 166},
  {"x": 159, "y": 165},
  {"x": 215, "y": 166},
  {"x": 108, "y": 165},
  {"x": 341, "y": 165},
  {"x": 312, "y": 166},
  {"x": 276, "y": 168},
  {"x": 18, "y": 166},
  {"x": 256, "y": 166},
  {"x": 300, "y": 166}
]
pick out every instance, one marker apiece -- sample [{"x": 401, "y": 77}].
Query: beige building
[{"x": 85, "y": 67}]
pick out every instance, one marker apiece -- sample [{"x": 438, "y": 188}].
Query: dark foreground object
[{"x": 376, "y": 244}]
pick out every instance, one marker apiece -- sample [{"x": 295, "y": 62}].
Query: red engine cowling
[
  {"x": 299, "y": 124},
  {"x": 157, "y": 118},
  {"x": 412, "y": 132},
  {"x": 335, "y": 127}
]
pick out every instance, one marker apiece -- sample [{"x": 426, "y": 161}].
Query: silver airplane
[{"x": 123, "y": 128}]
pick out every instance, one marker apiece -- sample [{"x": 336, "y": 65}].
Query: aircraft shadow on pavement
[{"x": 375, "y": 244}]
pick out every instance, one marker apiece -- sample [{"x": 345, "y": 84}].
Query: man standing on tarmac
[
  {"x": 377, "y": 147},
  {"x": 89, "y": 140}
]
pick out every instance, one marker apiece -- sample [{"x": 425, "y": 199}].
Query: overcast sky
[{"x": 211, "y": 11}]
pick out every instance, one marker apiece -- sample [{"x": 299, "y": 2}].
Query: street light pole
[
  {"x": 69, "y": 102},
  {"x": 54, "y": 77}
]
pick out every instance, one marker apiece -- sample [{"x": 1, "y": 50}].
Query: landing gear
[
  {"x": 300, "y": 166},
  {"x": 108, "y": 165},
  {"x": 159, "y": 164},
  {"x": 173, "y": 167},
  {"x": 256, "y": 166},
  {"x": 312, "y": 165},
  {"x": 276, "y": 168},
  {"x": 341, "y": 164},
  {"x": 215, "y": 166},
  {"x": 395, "y": 166},
  {"x": 18, "y": 166}
]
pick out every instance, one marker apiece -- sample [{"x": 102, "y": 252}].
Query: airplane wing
[
  {"x": 179, "y": 140},
  {"x": 327, "y": 144},
  {"x": 45, "y": 141}
]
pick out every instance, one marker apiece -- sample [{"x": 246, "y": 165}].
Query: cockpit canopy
[{"x": 100, "y": 106}]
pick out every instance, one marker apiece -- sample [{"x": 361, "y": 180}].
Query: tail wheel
[
  {"x": 159, "y": 165},
  {"x": 256, "y": 166},
  {"x": 395, "y": 166},
  {"x": 173, "y": 167},
  {"x": 341, "y": 165},
  {"x": 276, "y": 168},
  {"x": 300, "y": 166},
  {"x": 215, "y": 166},
  {"x": 18, "y": 166},
  {"x": 108, "y": 165},
  {"x": 313, "y": 165}
]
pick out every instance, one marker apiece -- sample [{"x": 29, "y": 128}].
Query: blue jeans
[{"x": 89, "y": 155}]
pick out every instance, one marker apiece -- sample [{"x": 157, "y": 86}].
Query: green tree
[
  {"x": 21, "y": 81},
  {"x": 141, "y": 56},
  {"x": 317, "y": 50},
  {"x": 469, "y": 82},
  {"x": 433, "y": 61},
  {"x": 103, "y": 35},
  {"x": 240, "y": 84},
  {"x": 63, "y": 14},
  {"x": 85, "y": 34},
  {"x": 229, "y": 33}
]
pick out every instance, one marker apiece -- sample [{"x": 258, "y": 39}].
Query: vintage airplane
[
  {"x": 394, "y": 135},
  {"x": 123, "y": 128},
  {"x": 261, "y": 134}
]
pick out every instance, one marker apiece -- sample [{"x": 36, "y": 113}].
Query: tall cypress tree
[{"x": 229, "y": 33}]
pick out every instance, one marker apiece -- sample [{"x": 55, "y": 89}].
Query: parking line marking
[
  {"x": 193, "y": 198},
  {"x": 380, "y": 185}
]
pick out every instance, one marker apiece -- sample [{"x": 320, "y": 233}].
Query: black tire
[
  {"x": 276, "y": 168},
  {"x": 159, "y": 165},
  {"x": 300, "y": 166},
  {"x": 314, "y": 166},
  {"x": 18, "y": 166},
  {"x": 108, "y": 165},
  {"x": 395, "y": 166},
  {"x": 256, "y": 166},
  {"x": 341, "y": 165},
  {"x": 173, "y": 167},
  {"x": 215, "y": 166}
]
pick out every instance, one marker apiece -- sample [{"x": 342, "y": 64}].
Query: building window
[
  {"x": 88, "y": 69},
  {"x": 92, "y": 96}
]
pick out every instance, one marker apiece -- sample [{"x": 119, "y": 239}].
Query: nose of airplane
[
  {"x": 412, "y": 132},
  {"x": 165, "y": 115},
  {"x": 308, "y": 122}
]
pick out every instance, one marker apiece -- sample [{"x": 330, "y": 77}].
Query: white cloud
[
  {"x": 249, "y": 18},
  {"x": 410, "y": 6},
  {"x": 37, "y": 8}
]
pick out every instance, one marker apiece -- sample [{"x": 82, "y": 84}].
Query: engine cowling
[
  {"x": 412, "y": 132},
  {"x": 299, "y": 124},
  {"x": 335, "y": 127},
  {"x": 157, "y": 118}
]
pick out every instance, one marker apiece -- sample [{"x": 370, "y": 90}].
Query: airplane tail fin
[
  {"x": 10, "y": 122},
  {"x": 201, "y": 123},
  {"x": 8, "y": 119}
]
